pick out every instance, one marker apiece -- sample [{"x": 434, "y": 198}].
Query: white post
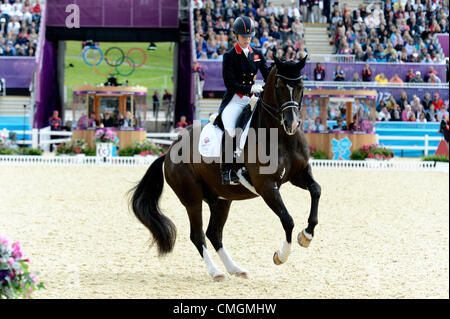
[
  {"x": 426, "y": 145},
  {"x": 34, "y": 138}
]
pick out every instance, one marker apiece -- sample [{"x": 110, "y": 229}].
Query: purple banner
[
  {"x": 443, "y": 41},
  {"x": 17, "y": 71},
  {"x": 116, "y": 13},
  {"x": 214, "y": 81}
]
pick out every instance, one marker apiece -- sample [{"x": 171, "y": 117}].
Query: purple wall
[
  {"x": 117, "y": 13},
  {"x": 17, "y": 71},
  {"x": 214, "y": 81},
  {"x": 443, "y": 40},
  {"x": 47, "y": 97}
]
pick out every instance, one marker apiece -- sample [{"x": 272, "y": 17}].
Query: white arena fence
[
  {"x": 41, "y": 139},
  {"x": 81, "y": 160}
]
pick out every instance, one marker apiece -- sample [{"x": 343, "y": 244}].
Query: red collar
[{"x": 238, "y": 48}]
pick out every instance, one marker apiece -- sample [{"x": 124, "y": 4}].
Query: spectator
[
  {"x": 167, "y": 98},
  {"x": 125, "y": 121},
  {"x": 384, "y": 115},
  {"x": 380, "y": 105},
  {"x": 340, "y": 125},
  {"x": 417, "y": 78},
  {"x": 433, "y": 78},
  {"x": 339, "y": 74},
  {"x": 182, "y": 123},
  {"x": 319, "y": 73},
  {"x": 367, "y": 73},
  {"x": 431, "y": 115},
  {"x": 380, "y": 78},
  {"x": 406, "y": 113},
  {"x": 431, "y": 70},
  {"x": 403, "y": 100},
  {"x": 396, "y": 79},
  {"x": 422, "y": 118},
  {"x": 412, "y": 117},
  {"x": 426, "y": 101},
  {"x": 437, "y": 102},
  {"x": 108, "y": 121},
  {"x": 396, "y": 116},
  {"x": 155, "y": 99},
  {"x": 92, "y": 120},
  {"x": 318, "y": 126},
  {"x": 55, "y": 125},
  {"x": 356, "y": 78},
  {"x": 410, "y": 75}
]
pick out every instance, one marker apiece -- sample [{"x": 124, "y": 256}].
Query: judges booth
[
  {"x": 355, "y": 107},
  {"x": 126, "y": 107}
]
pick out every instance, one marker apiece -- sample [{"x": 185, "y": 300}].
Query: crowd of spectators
[
  {"x": 383, "y": 31},
  {"x": 429, "y": 109},
  {"x": 367, "y": 75},
  {"x": 19, "y": 27},
  {"x": 277, "y": 28},
  {"x": 390, "y": 30}
]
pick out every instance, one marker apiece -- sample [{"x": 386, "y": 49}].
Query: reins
[{"x": 290, "y": 104}]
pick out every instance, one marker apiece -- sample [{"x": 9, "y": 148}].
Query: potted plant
[{"x": 105, "y": 140}]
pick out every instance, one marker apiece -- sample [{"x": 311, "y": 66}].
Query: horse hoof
[
  {"x": 219, "y": 278},
  {"x": 276, "y": 259},
  {"x": 303, "y": 239},
  {"x": 242, "y": 275}
]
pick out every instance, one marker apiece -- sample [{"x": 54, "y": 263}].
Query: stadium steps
[
  {"x": 317, "y": 41},
  {"x": 208, "y": 106},
  {"x": 13, "y": 105}
]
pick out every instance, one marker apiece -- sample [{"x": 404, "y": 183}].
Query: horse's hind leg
[
  {"x": 306, "y": 180},
  {"x": 190, "y": 194},
  {"x": 219, "y": 213},
  {"x": 198, "y": 239}
]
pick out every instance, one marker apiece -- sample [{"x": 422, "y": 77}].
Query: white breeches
[{"x": 232, "y": 111}]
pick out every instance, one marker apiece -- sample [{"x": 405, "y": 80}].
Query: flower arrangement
[
  {"x": 372, "y": 151},
  {"x": 105, "y": 135},
  {"x": 316, "y": 154},
  {"x": 15, "y": 279},
  {"x": 4, "y": 143},
  {"x": 142, "y": 148},
  {"x": 74, "y": 147}
]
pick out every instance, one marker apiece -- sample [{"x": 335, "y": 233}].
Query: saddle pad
[{"x": 211, "y": 138}]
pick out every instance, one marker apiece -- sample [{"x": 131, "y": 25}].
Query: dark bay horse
[{"x": 195, "y": 182}]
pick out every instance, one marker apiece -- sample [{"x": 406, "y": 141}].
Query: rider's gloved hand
[
  {"x": 253, "y": 101},
  {"x": 256, "y": 88}
]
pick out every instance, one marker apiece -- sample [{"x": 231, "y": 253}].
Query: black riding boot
[{"x": 226, "y": 168}]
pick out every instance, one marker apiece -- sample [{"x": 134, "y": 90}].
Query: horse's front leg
[
  {"x": 271, "y": 195},
  {"x": 305, "y": 180}
]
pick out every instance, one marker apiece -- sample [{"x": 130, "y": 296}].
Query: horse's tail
[{"x": 145, "y": 206}]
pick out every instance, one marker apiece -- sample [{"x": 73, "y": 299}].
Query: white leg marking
[
  {"x": 284, "y": 252},
  {"x": 230, "y": 266},
  {"x": 212, "y": 268}
]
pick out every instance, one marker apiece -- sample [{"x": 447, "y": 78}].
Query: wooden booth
[
  {"x": 126, "y": 107},
  {"x": 353, "y": 103}
]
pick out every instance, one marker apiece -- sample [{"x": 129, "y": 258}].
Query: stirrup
[{"x": 229, "y": 177}]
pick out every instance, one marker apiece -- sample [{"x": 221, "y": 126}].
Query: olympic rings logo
[{"x": 114, "y": 62}]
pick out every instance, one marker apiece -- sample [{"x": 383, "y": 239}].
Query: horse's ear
[
  {"x": 278, "y": 63},
  {"x": 301, "y": 64}
]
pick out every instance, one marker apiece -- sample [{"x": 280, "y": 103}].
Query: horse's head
[{"x": 288, "y": 93}]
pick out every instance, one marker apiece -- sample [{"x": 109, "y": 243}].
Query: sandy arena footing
[{"x": 381, "y": 234}]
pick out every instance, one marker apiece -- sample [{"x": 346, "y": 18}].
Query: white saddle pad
[{"x": 211, "y": 139}]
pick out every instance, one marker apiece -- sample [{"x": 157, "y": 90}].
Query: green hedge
[{"x": 435, "y": 158}]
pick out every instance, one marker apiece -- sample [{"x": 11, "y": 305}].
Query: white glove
[
  {"x": 256, "y": 88},
  {"x": 253, "y": 101}
]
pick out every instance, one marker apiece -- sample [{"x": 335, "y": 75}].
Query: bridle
[{"x": 278, "y": 116}]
